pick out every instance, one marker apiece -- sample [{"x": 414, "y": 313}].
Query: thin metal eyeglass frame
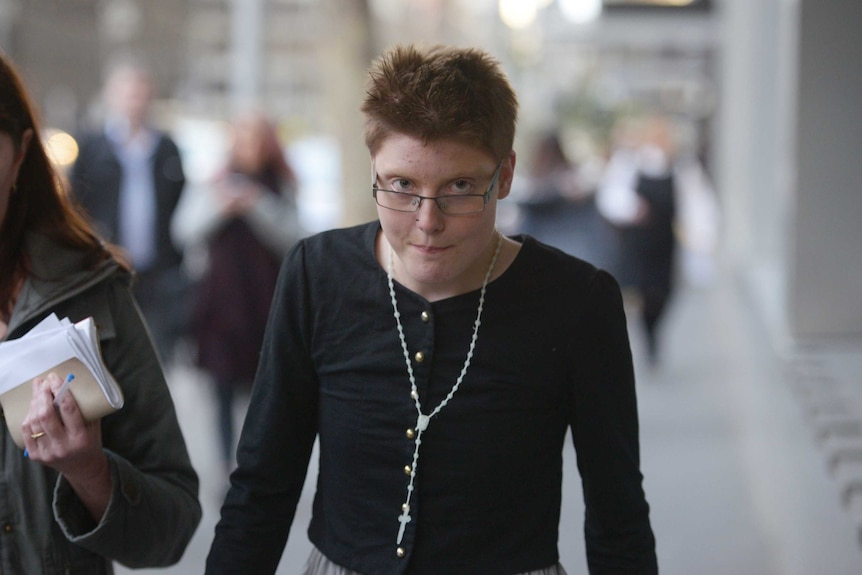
[{"x": 436, "y": 200}]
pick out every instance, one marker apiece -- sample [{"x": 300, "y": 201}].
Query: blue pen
[{"x": 63, "y": 389}]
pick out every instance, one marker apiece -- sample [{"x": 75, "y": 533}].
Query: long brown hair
[{"x": 40, "y": 202}]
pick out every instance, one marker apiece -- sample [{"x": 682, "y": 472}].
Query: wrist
[{"x": 92, "y": 483}]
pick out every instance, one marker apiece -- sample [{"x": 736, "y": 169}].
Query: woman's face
[
  {"x": 11, "y": 158},
  {"x": 435, "y": 254},
  {"x": 249, "y": 145}
]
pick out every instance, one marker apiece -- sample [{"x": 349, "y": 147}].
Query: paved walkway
[{"x": 752, "y": 458}]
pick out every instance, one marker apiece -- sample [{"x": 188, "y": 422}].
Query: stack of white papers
[{"x": 64, "y": 348}]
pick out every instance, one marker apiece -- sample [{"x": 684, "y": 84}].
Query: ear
[{"x": 507, "y": 172}]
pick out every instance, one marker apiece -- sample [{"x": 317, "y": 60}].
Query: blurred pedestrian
[
  {"x": 557, "y": 204},
  {"x": 655, "y": 195},
  {"x": 246, "y": 220},
  {"x": 439, "y": 363},
  {"x": 129, "y": 177},
  {"x": 84, "y": 493}
]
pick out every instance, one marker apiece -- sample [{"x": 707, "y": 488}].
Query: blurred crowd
[
  {"x": 643, "y": 207},
  {"x": 207, "y": 251}
]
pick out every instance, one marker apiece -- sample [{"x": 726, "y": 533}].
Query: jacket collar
[{"x": 57, "y": 274}]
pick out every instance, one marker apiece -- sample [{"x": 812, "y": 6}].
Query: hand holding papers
[{"x": 71, "y": 351}]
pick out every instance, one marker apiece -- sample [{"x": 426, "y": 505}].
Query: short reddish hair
[{"x": 440, "y": 93}]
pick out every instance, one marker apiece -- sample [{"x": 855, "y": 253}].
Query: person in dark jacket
[
  {"x": 129, "y": 178},
  {"x": 84, "y": 493},
  {"x": 662, "y": 205},
  {"x": 439, "y": 364}
]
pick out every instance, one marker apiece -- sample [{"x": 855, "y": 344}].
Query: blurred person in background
[
  {"x": 129, "y": 178},
  {"x": 83, "y": 494},
  {"x": 245, "y": 220},
  {"x": 657, "y": 196},
  {"x": 556, "y": 204},
  {"x": 439, "y": 363}
]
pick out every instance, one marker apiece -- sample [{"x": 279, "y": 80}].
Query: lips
[{"x": 429, "y": 250}]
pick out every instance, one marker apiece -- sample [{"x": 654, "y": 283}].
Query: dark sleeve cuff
[{"x": 73, "y": 517}]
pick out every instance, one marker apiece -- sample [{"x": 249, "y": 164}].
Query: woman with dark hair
[
  {"x": 83, "y": 493},
  {"x": 245, "y": 220}
]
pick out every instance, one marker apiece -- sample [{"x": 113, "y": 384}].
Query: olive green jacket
[{"x": 154, "y": 507}]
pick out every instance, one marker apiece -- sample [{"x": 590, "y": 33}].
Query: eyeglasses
[{"x": 451, "y": 204}]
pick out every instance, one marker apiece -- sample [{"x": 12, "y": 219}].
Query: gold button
[
  {"x": 426, "y": 317},
  {"x": 408, "y": 470},
  {"x": 8, "y": 528},
  {"x": 401, "y": 552},
  {"x": 410, "y": 434},
  {"x": 419, "y": 357},
  {"x": 405, "y": 507}
]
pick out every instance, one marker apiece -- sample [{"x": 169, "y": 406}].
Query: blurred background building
[
  {"x": 767, "y": 93},
  {"x": 751, "y": 77}
]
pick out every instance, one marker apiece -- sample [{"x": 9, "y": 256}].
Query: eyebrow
[{"x": 494, "y": 176}]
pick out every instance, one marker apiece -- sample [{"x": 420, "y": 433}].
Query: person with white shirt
[
  {"x": 129, "y": 178},
  {"x": 662, "y": 204}
]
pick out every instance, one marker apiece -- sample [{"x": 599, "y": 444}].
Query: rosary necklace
[{"x": 422, "y": 420}]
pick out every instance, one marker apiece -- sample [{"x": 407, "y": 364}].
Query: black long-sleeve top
[{"x": 552, "y": 353}]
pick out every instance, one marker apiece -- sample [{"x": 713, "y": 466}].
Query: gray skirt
[{"x": 319, "y": 565}]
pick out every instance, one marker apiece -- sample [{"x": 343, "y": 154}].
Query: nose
[{"x": 429, "y": 217}]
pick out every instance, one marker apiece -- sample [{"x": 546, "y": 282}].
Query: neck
[
  {"x": 123, "y": 129},
  {"x": 471, "y": 281}
]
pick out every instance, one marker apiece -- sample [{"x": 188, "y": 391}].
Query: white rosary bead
[{"x": 422, "y": 420}]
